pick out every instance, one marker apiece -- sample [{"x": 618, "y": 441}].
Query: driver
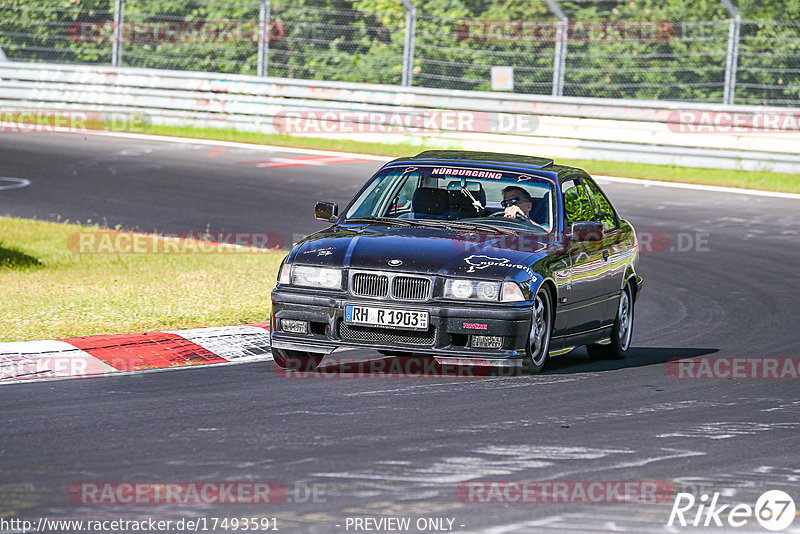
[{"x": 516, "y": 201}]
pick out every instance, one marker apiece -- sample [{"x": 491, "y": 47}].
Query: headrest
[
  {"x": 430, "y": 201},
  {"x": 458, "y": 198},
  {"x": 540, "y": 213}
]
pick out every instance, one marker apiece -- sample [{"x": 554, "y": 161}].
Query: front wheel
[
  {"x": 538, "y": 345},
  {"x": 621, "y": 332},
  {"x": 296, "y": 360}
]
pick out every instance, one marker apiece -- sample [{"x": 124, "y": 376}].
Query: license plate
[{"x": 387, "y": 317}]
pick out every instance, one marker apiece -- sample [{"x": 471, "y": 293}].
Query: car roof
[{"x": 544, "y": 167}]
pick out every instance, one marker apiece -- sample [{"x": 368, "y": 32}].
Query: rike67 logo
[{"x": 774, "y": 510}]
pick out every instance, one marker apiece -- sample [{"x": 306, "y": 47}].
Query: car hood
[{"x": 421, "y": 250}]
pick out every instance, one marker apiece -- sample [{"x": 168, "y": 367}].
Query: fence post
[
  {"x": 3, "y": 55},
  {"x": 732, "y": 56},
  {"x": 560, "y": 54},
  {"x": 408, "y": 46},
  {"x": 116, "y": 45},
  {"x": 264, "y": 14}
]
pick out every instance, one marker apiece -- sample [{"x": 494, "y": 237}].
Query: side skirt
[{"x": 600, "y": 335}]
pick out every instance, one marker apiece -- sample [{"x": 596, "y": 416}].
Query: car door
[
  {"x": 609, "y": 282},
  {"x": 583, "y": 301}
]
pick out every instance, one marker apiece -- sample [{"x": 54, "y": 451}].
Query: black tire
[
  {"x": 296, "y": 360},
  {"x": 538, "y": 345},
  {"x": 621, "y": 332}
]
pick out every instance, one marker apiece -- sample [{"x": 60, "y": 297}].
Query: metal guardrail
[{"x": 560, "y": 127}]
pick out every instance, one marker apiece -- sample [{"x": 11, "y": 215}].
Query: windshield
[{"x": 428, "y": 194}]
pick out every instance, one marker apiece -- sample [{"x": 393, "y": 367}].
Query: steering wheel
[{"x": 519, "y": 216}]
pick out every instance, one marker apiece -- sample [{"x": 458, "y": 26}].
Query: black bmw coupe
[{"x": 471, "y": 257}]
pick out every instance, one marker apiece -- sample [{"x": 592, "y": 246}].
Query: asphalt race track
[
  {"x": 169, "y": 187},
  {"x": 721, "y": 280}
]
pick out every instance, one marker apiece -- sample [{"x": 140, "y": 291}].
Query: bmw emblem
[{"x": 395, "y": 263}]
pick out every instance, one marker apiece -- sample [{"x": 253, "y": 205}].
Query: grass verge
[
  {"x": 50, "y": 292},
  {"x": 318, "y": 143},
  {"x": 766, "y": 181}
]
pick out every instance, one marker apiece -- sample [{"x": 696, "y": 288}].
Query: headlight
[
  {"x": 303, "y": 275},
  {"x": 486, "y": 290},
  {"x": 459, "y": 289},
  {"x": 463, "y": 289}
]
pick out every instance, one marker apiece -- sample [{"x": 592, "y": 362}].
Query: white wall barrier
[{"x": 668, "y": 133}]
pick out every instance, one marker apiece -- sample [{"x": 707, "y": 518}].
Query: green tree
[{"x": 58, "y": 31}]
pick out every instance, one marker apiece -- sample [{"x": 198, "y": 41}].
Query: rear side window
[
  {"x": 604, "y": 212},
  {"x": 576, "y": 204}
]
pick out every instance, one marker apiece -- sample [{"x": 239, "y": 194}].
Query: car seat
[
  {"x": 430, "y": 203},
  {"x": 540, "y": 213},
  {"x": 461, "y": 206}
]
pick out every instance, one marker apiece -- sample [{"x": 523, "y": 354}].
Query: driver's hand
[{"x": 513, "y": 211}]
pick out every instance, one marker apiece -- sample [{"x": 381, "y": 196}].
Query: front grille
[
  {"x": 411, "y": 288},
  {"x": 387, "y": 335},
  {"x": 370, "y": 285}
]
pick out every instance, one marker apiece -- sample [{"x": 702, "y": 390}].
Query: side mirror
[
  {"x": 326, "y": 211},
  {"x": 585, "y": 231}
]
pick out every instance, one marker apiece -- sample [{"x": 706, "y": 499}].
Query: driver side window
[
  {"x": 605, "y": 212},
  {"x": 577, "y": 206}
]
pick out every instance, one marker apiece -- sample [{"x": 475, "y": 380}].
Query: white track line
[
  {"x": 252, "y": 146},
  {"x": 15, "y": 182},
  {"x": 234, "y": 144}
]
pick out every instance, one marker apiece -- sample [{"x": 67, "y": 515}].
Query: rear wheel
[
  {"x": 621, "y": 332},
  {"x": 538, "y": 345},
  {"x": 296, "y": 360}
]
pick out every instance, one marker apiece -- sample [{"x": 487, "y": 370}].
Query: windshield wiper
[
  {"x": 476, "y": 226},
  {"x": 438, "y": 223},
  {"x": 388, "y": 220}
]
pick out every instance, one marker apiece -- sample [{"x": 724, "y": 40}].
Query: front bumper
[{"x": 451, "y": 327}]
